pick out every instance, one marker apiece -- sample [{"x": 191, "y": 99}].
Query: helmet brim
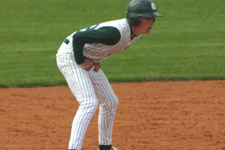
[{"x": 156, "y": 14}]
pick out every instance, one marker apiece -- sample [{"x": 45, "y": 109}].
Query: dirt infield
[{"x": 151, "y": 116}]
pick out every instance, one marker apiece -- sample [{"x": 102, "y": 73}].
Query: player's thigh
[
  {"x": 103, "y": 89},
  {"x": 78, "y": 80}
]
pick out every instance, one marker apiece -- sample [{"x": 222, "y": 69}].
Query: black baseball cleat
[{"x": 112, "y": 148}]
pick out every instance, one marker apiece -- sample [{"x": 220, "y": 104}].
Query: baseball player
[{"x": 79, "y": 58}]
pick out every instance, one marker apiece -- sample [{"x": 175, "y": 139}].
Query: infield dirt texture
[
  {"x": 151, "y": 116},
  {"x": 186, "y": 44}
]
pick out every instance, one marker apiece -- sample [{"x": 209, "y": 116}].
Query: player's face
[{"x": 146, "y": 24}]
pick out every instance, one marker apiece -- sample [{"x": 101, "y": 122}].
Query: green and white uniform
[{"x": 92, "y": 88}]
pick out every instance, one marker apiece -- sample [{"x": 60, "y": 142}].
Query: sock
[{"x": 105, "y": 147}]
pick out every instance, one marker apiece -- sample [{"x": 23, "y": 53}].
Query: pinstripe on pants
[{"x": 90, "y": 89}]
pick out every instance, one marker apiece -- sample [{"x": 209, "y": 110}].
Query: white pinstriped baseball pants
[{"x": 91, "y": 89}]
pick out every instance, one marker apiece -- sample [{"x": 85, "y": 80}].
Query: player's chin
[{"x": 147, "y": 31}]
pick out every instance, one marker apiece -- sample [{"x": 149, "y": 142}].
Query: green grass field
[{"x": 188, "y": 43}]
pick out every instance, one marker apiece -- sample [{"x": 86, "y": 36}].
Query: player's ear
[{"x": 134, "y": 21}]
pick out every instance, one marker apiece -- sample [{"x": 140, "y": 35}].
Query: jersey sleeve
[{"x": 105, "y": 35}]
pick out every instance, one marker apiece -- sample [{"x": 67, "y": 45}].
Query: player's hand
[
  {"x": 97, "y": 66},
  {"x": 87, "y": 64}
]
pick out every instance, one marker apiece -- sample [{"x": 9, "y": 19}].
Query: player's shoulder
[{"x": 119, "y": 23}]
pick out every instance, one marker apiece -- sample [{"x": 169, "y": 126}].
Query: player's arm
[{"x": 105, "y": 35}]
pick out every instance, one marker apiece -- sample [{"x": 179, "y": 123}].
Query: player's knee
[
  {"x": 113, "y": 102},
  {"x": 89, "y": 105}
]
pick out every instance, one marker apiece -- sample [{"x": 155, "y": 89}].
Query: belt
[{"x": 66, "y": 41}]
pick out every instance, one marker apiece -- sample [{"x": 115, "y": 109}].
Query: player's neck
[{"x": 135, "y": 31}]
